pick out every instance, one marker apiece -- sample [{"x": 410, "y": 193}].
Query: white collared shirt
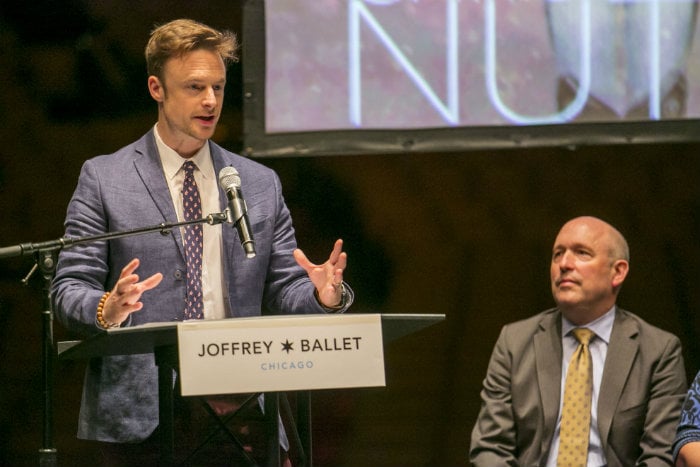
[
  {"x": 205, "y": 177},
  {"x": 602, "y": 327}
]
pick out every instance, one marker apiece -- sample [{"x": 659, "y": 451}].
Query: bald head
[
  {"x": 616, "y": 244},
  {"x": 590, "y": 261}
]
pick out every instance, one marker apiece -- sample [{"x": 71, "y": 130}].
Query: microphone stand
[{"x": 46, "y": 257}]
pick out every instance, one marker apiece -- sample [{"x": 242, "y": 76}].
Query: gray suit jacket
[
  {"x": 126, "y": 190},
  {"x": 641, "y": 393}
]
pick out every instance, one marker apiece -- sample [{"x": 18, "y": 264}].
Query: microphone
[{"x": 237, "y": 211}]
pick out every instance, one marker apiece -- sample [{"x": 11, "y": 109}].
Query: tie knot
[
  {"x": 583, "y": 335},
  {"x": 188, "y": 167}
]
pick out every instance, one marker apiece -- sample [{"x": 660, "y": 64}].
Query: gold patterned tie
[{"x": 576, "y": 412}]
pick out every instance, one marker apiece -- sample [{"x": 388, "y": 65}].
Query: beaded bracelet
[{"x": 100, "y": 319}]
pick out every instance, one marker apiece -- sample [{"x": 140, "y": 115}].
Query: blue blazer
[{"x": 128, "y": 190}]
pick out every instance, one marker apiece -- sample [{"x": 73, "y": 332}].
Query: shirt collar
[
  {"x": 602, "y": 327},
  {"x": 172, "y": 161}
]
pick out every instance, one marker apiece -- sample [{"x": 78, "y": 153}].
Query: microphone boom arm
[{"x": 24, "y": 249}]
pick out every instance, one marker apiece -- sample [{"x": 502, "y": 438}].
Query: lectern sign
[{"x": 280, "y": 353}]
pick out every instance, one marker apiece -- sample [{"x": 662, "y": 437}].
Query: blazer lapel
[
  {"x": 229, "y": 233},
  {"x": 622, "y": 349},
  {"x": 232, "y": 252},
  {"x": 150, "y": 170},
  {"x": 548, "y": 355}
]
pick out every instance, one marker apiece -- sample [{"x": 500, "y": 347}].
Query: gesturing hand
[
  {"x": 326, "y": 277},
  {"x": 124, "y": 297}
]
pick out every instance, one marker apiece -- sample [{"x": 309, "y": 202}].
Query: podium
[{"x": 161, "y": 339}]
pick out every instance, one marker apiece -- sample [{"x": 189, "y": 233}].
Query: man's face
[
  {"x": 190, "y": 98},
  {"x": 583, "y": 274}
]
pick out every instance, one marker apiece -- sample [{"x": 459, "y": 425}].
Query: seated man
[{"x": 629, "y": 374}]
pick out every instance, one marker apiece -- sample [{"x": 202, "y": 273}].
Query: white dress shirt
[
  {"x": 205, "y": 177},
  {"x": 602, "y": 327}
]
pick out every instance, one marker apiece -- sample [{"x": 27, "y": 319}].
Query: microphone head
[{"x": 228, "y": 178}]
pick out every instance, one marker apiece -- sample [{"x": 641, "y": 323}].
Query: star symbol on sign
[{"x": 287, "y": 346}]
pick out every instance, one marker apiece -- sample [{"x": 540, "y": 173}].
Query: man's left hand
[{"x": 326, "y": 277}]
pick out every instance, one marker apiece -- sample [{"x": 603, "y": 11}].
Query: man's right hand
[{"x": 124, "y": 298}]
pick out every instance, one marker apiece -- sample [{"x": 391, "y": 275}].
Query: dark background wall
[{"x": 464, "y": 234}]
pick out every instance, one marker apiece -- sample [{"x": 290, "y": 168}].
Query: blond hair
[{"x": 178, "y": 37}]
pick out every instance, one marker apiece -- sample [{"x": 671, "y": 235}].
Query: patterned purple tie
[{"x": 192, "y": 210}]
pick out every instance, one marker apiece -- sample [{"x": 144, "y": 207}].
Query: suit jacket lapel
[
  {"x": 229, "y": 234},
  {"x": 548, "y": 355},
  {"x": 622, "y": 349},
  {"x": 232, "y": 252},
  {"x": 219, "y": 162},
  {"x": 149, "y": 168}
]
